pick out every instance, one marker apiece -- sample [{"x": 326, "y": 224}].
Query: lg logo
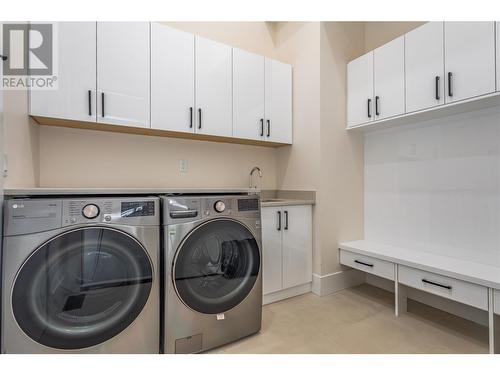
[{"x": 29, "y": 49}]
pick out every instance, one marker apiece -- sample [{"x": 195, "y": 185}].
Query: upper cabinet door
[
  {"x": 424, "y": 60},
  {"x": 297, "y": 245},
  {"x": 213, "y": 88},
  {"x": 469, "y": 59},
  {"x": 123, "y": 73},
  {"x": 248, "y": 95},
  {"x": 360, "y": 90},
  {"x": 172, "y": 79},
  {"x": 389, "y": 79},
  {"x": 75, "y": 98},
  {"x": 278, "y": 93}
]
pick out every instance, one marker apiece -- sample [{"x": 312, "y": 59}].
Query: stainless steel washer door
[
  {"x": 82, "y": 288},
  {"x": 216, "y": 266}
]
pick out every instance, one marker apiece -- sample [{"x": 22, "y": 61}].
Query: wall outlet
[{"x": 183, "y": 165}]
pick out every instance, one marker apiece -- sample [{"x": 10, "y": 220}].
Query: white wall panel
[{"x": 435, "y": 186}]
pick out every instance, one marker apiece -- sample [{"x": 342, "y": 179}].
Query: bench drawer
[
  {"x": 368, "y": 264},
  {"x": 444, "y": 286}
]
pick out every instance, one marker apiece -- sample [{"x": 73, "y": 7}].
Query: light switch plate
[{"x": 183, "y": 165}]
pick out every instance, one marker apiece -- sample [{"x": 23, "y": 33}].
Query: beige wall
[
  {"x": 340, "y": 193},
  {"x": 21, "y": 141},
  {"x": 323, "y": 157},
  {"x": 379, "y": 33}
]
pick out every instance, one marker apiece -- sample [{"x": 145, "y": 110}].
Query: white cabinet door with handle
[
  {"x": 123, "y": 73},
  {"x": 172, "y": 79},
  {"x": 248, "y": 95},
  {"x": 272, "y": 256},
  {"x": 389, "y": 79},
  {"x": 213, "y": 88},
  {"x": 360, "y": 90},
  {"x": 424, "y": 61},
  {"x": 469, "y": 53},
  {"x": 297, "y": 245},
  {"x": 75, "y": 97},
  {"x": 278, "y": 98}
]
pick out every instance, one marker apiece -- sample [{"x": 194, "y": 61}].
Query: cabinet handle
[
  {"x": 3, "y": 57},
  {"x": 268, "y": 128},
  {"x": 377, "y": 113},
  {"x": 436, "y": 284},
  {"x": 199, "y": 118},
  {"x": 438, "y": 97},
  {"x": 363, "y": 263},
  {"x": 102, "y": 103},
  {"x": 261, "y": 127},
  {"x": 286, "y": 220},
  {"x": 279, "y": 220},
  {"x": 190, "y": 117},
  {"x": 450, "y": 87},
  {"x": 90, "y": 103},
  {"x": 369, "y": 108}
]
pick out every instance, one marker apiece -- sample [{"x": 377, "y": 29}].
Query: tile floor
[{"x": 359, "y": 320}]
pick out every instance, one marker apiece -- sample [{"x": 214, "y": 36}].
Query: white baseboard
[
  {"x": 452, "y": 307},
  {"x": 286, "y": 293},
  {"x": 333, "y": 282}
]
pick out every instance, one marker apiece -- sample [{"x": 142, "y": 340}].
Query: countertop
[
  {"x": 122, "y": 191},
  {"x": 285, "y": 202}
]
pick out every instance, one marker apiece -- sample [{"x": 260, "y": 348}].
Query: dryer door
[
  {"x": 216, "y": 266},
  {"x": 82, "y": 288}
]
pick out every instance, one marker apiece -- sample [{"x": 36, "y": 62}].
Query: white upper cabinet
[
  {"x": 498, "y": 55},
  {"x": 123, "y": 73},
  {"x": 172, "y": 79},
  {"x": 389, "y": 79},
  {"x": 469, "y": 55},
  {"x": 424, "y": 60},
  {"x": 213, "y": 88},
  {"x": 297, "y": 245},
  {"x": 248, "y": 95},
  {"x": 360, "y": 90},
  {"x": 75, "y": 98},
  {"x": 278, "y": 102}
]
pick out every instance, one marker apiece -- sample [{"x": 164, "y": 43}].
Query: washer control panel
[{"x": 110, "y": 210}]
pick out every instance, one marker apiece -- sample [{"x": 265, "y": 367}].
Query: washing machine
[
  {"x": 213, "y": 283},
  {"x": 81, "y": 275}
]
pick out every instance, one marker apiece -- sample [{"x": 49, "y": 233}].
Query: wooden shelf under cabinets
[{"x": 51, "y": 121}]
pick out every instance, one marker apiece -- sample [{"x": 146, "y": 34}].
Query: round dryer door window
[
  {"x": 216, "y": 266},
  {"x": 82, "y": 288}
]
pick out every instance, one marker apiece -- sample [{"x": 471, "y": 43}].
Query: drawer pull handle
[
  {"x": 363, "y": 263},
  {"x": 436, "y": 284}
]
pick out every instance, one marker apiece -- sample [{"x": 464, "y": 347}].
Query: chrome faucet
[{"x": 251, "y": 175}]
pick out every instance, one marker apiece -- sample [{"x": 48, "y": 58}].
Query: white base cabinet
[{"x": 286, "y": 247}]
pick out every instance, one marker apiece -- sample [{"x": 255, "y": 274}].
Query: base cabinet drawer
[
  {"x": 368, "y": 264},
  {"x": 496, "y": 301},
  {"x": 448, "y": 287}
]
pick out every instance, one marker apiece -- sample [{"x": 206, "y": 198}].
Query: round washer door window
[
  {"x": 82, "y": 288},
  {"x": 216, "y": 267}
]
